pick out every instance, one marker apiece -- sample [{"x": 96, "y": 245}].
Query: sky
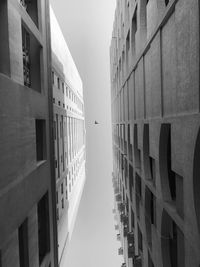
[{"x": 87, "y": 28}]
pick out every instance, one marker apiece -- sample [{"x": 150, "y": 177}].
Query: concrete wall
[
  {"x": 23, "y": 179},
  {"x": 163, "y": 81}
]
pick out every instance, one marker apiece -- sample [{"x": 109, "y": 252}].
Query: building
[
  {"x": 69, "y": 135},
  {"x": 28, "y": 232},
  {"x": 156, "y": 131}
]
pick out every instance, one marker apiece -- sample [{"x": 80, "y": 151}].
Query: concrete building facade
[
  {"x": 28, "y": 232},
  {"x": 156, "y": 131},
  {"x": 69, "y": 136}
]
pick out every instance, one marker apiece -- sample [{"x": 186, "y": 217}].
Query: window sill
[{"x": 41, "y": 162}]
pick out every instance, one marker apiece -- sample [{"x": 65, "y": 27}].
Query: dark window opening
[
  {"x": 152, "y": 169},
  {"x": 171, "y": 174},
  {"x": 153, "y": 209},
  {"x": 52, "y": 77},
  {"x": 40, "y": 139},
  {"x": 166, "y": 2},
  {"x": 58, "y": 82},
  {"x": 173, "y": 246},
  {"x": 140, "y": 241},
  {"x": 43, "y": 227},
  {"x": 23, "y": 244}
]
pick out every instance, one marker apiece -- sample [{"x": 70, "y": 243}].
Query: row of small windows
[
  {"x": 130, "y": 42},
  {"x": 68, "y": 108},
  {"x": 59, "y": 83}
]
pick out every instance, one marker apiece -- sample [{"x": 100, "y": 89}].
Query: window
[
  {"x": 40, "y": 139},
  {"x": 43, "y": 227},
  {"x": 23, "y": 244},
  {"x": 62, "y": 203},
  {"x": 31, "y": 50},
  {"x": 61, "y": 188},
  {"x": 63, "y": 88}
]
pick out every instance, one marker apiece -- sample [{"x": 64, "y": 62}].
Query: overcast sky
[{"x": 87, "y": 27}]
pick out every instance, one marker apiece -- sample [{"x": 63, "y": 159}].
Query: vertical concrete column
[
  {"x": 10, "y": 251},
  {"x": 15, "y": 44}
]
